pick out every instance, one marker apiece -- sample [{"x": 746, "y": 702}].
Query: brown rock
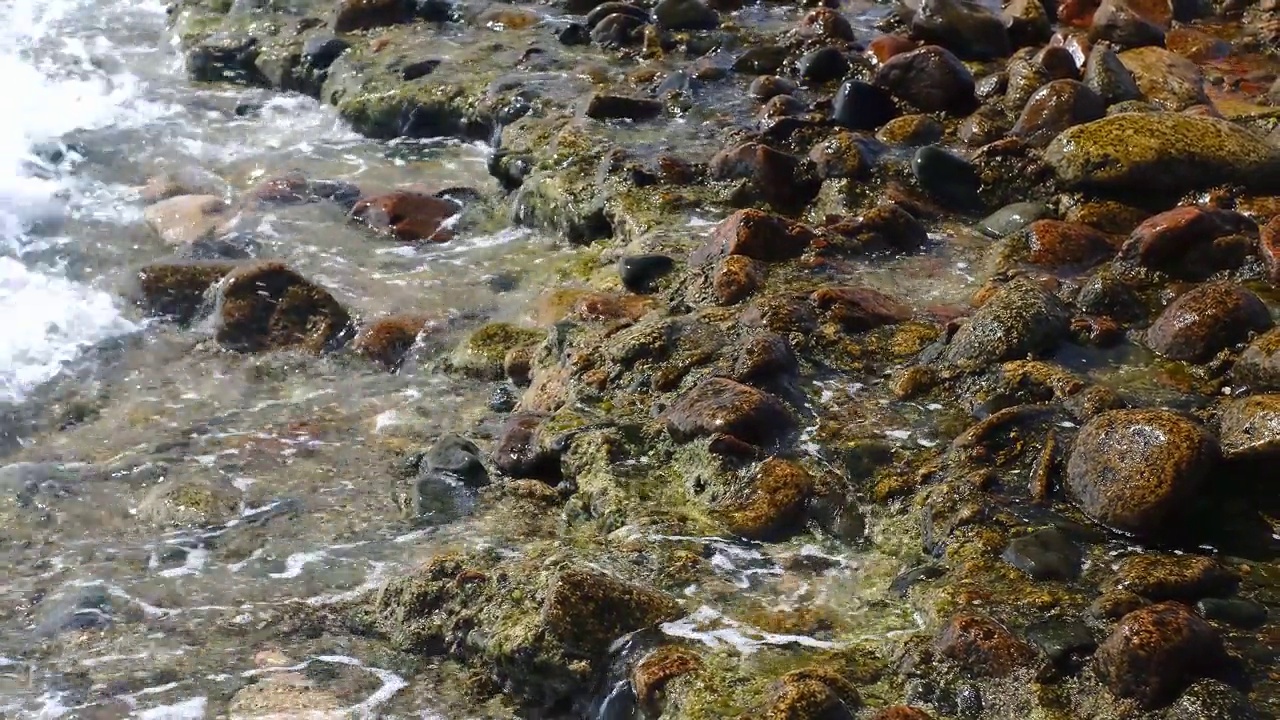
[
  {"x": 812, "y": 693},
  {"x": 407, "y": 215},
  {"x": 736, "y": 277},
  {"x": 1168, "y": 81},
  {"x": 1028, "y": 23},
  {"x": 1207, "y": 319},
  {"x": 767, "y": 87},
  {"x": 521, "y": 452},
  {"x": 983, "y": 646},
  {"x": 184, "y": 219},
  {"x": 1055, "y": 107},
  {"x": 901, "y": 712},
  {"x": 1121, "y": 23},
  {"x": 858, "y": 309},
  {"x": 1115, "y": 604},
  {"x": 1139, "y": 471},
  {"x": 757, "y": 235},
  {"x": 1164, "y": 241},
  {"x": 844, "y": 155},
  {"x": 601, "y": 106},
  {"x": 517, "y": 365},
  {"x": 387, "y": 340},
  {"x": 352, "y": 15},
  {"x": 826, "y": 24},
  {"x": 295, "y": 189},
  {"x": 1196, "y": 45},
  {"x": 1077, "y": 13},
  {"x": 1057, "y": 62},
  {"x": 1258, "y": 367},
  {"x": 886, "y": 227},
  {"x": 765, "y": 174},
  {"x": 764, "y": 357},
  {"x": 912, "y": 130},
  {"x": 662, "y": 665},
  {"x": 183, "y": 181},
  {"x": 178, "y": 290},
  {"x": 722, "y": 406},
  {"x": 773, "y": 503},
  {"x": 782, "y": 314},
  {"x": 1249, "y": 429},
  {"x": 1186, "y": 578},
  {"x": 930, "y": 78},
  {"x": 1155, "y": 652},
  {"x": 586, "y": 610},
  {"x": 1269, "y": 249},
  {"x": 885, "y": 47},
  {"x": 1057, "y": 244},
  {"x": 594, "y": 306},
  {"x": 266, "y": 306}
]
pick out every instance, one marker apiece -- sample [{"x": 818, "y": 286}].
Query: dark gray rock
[
  {"x": 1046, "y": 554},
  {"x": 640, "y": 273},
  {"x": 862, "y": 106}
]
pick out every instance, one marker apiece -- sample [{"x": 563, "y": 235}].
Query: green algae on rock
[{"x": 1163, "y": 152}]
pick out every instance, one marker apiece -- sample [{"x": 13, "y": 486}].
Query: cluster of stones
[{"x": 1131, "y": 212}]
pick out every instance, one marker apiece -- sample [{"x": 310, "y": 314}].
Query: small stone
[
  {"x": 617, "y": 30},
  {"x": 1059, "y": 640},
  {"x": 320, "y": 51},
  {"x": 1139, "y": 471},
  {"x": 619, "y": 107},
  {"x": 767, "y": 87},
  {"x": 184, "y": 219},
  {"x": 764, "y": 357},
  {"x": 1207, "y": 319},
  {"x": 1185, "y": 578},
  {"x": 1118, "y": 22},
  {"x": 1108, "y": 77},
  {"x": 772, "y": 505},
  {"x": 1258, "y": 367},
  {"x": 930, "y": 78},
  {"x": 945, "y": 175},
  {"x": 685, "y": 15},
  {"x": 983, "y": 646},
  {"x": 1156, "y": 652},
  {"x": 884, "y": 47},
  {"x": 844, "y": 155},
  {"x": 823, "y": 65},
  {"x": 1046, "y": 554},
  {"x": 862, "y": 106},
  {"x": 352, "y": 15},
  {"x": 859, "y": 309},
  {"x": 763, "y": 173},
  {"x": 1234, "y": 611},
  {"x": 1249, "y": 429},
  {"x": 1021, "y": 319},
  {"x": 1055, "y": 107},
  {"x": 827, "y": 24},
  {"x": 1012, "y": 218},
  {"x": 883, "y": 228},
  {"x": 458, "y": 457},
  {"x": 266, "y": 306},
  {"x": 641, "y": 273},
  {"x": 761, "y": 60},
  {"x": 408, "y": 215},
  {"x": 387, "y": 340},
  {"x": 911, "y": 130},
  {"x": 736, "y": 277},
  {"x": 722, "y": 406},
  {"x": 1269, "y": 249}
]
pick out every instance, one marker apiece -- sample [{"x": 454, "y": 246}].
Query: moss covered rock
[
  {"x": 177, "y": 290},
  {"x": 1155, "y": 652},
  {"x": 482, "y": 354},
  {"x": 267, "y": 306}
]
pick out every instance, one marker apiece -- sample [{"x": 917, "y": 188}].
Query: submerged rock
[
  {"x": 1185, "y": 578},
  {"x": 388, "y": 340},
  {"x": 773, "y": 502},
  {"x": 178, "y": 290},
  {"x": 1163, "y": 152},
  {"x": 408, "y": 215},
  {"x": 266, "y": 306},
  {"x": 482, "y": 354},
  {"x": 983, "y": 646},
  {"x": 1158, "y": 651},
  {"x": 184, "y": 219}
]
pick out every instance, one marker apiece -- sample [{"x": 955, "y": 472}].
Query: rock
[
  {"x": 736, "y": 277},
  {"x": 884, "y": 47},
  {"x": 483, "y": 353},
  {"x": 1028, "y": 23},
  {"x": 983, "y": 646},
  {"x": 1117, "y": 22},
  {"x": 458, "y": 458},
  {"x": 388, "y": 340},
  {"x": 1054, "y": 244},
  {"x": 1269, "y": 249},
  {"x": 184, "y": 219},
  {"x": 183, "y": 181},
  {"x": 827, "y": 24},
  {"x": 617, "y": 30},
  {"x": 763, "y": 173},
  {"x": 1139, "y": 471},
  {"x": 521, "y": 451},
  {"x": 266, "y": 306},
  {"x": 763, "y": 358},
  {"x": 1185, "y": 578},
  {"x": 1164, "y": 152},
  {"x": 822, "y": 65},
  {"x": 1213, "y": 700},
  {"x": 911, "y": 130},
  {"x": 761, "y": 60},
  {"x": 964, "y": 27},
  {"x": 320, "y": 51},
  {"x": 986, "y": 125},
  {"x": 1012, "y": 218},
  {"x": 722, "y": 406},
  {"x": 1240, "y": 613},
  {"x": 773, "y": 503},
  {"x": 226, "y": 57},
  {"x": 1207, "y": 319},
  {"x": 178, "y": 290},
  {"x": 1181, "y": 239},
  {"x": 685, "y": 15},
  {"x": 767, "y": 87},
  {"x": 901, "y": 712},
  {"x": 858, "y": 309},
  {"x": 1156, "y": 652},
  {"x": 618, "y": 107},
  {"x": 1061, "y": 641},
  {"x": 574, "y": 34},
  {"x": 1167, "y": 80},
  {"x": 640, "y": 273},
  {"x": 757, "y": 235},
  {"x": 844, "y": 155},
  {"x": 1258, "y": 367},
  {"x": 296, "y": 189},
  {"x": 1249, "y": 428},
  {"x": 660, "y": 666},
  {"x": 1115, "y": 604},
  {"x": 407, "y": 215},
  {"x": 1046, "y": 554},
  {"x": 946, "y": 176},
  {"x": 1019, "y": 320},
  {"x": 353, "y": 15},
  {"x": 1055, "y": 107},
  {"x": 931, "y": 79},
  {"x": 884, "y": 228},
  {"x": 190, "y": 502},
  {"x": 812, "y": 693},
  {"x": 862, "y": 106}
]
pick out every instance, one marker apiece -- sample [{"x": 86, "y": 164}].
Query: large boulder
[
  {"x": 1155, "y": 652},
  {"x": 1021, "y": 319},
  {"x": 723, "y": 406},
  {"x": 930, "y": 78}
]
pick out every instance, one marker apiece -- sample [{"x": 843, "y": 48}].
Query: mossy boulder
[
  {"x": 482, "y": 354},
  {"x": 1020, "y": 319},
  {"x": 1207, "y": 319},
  {"x": 1155, "y": 652},
  {"x": 1258, "y": 367},
  {"x": 773, "y": 502},
  {"x": 720, "y": 406},
  {"x": 189, "y": 502},
  {"x": 267, "y": 306},
  {"x": 387, "y": 340},
  {"x": 1249, "y": 429},
  {"x": 177, "y": 290}
]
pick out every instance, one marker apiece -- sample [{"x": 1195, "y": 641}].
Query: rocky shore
[{"x": 1062, "y": 485}]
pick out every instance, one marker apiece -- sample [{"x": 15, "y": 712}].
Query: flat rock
[
  {"x": 1167, "y": 80},
  {"x": 184, "y": 219}
]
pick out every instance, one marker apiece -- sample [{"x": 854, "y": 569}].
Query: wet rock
[
  {"x": 1020, "y": 320},
  {"x": 778, "y": 178},
  {"x": 1249, "y": 428},
  {"x": 1118, "y": 22},
  {"x": 1156, "y": 652},
  {"x": 983, "y": 646},
  {"x": 607, "y": 9},
  {"x": 1057, "y": 62},
  {"x": 574, "y": 34},
  {"x": 641, "y": 273},
  {"x": 1172, "y": 240},
  {"x": 761, "y": 60},
  {"x": 858, "y": 309},
  {"x": 407, "y": 215},
  {"x": 1012, "y": 218},
  {"x": 266, "y": 306},
  {"x": 862, "y": 106},
  {"x": 1258, "y": 367},
  {"x": 1234, "y": 611},
  {"x": 387, "y": 340},
  {"x": 483, "y": 353},
  {"x": 183, "y": 181},
  {"x": 619, "y": 107},
  {"x": 911, "y": 130},
  {"x": 1115, "y": 604},
  {"x": 184, "y": 219},
  {"x": 353, "y": 15},
  {"x": 1167, "y": 80},
  {"x": 773, "y": 503},
  {"x": 226, "y": 57},
  {"x": 884, "y": 228},
  {"x": 966, "y": 28},
  {"x": 190, "y": 502},
  {"x": 660, "y": 666},
  {"x": 458, "y": 458},
  {"x": 946, "y": 176},
  {"x": 986, "y": 125},
  {"x": 1164, "y": 152},
  {"x": 822, "y": 65},
  {"x": 1139, "y": 471},
  {"x": 722, "y": 406},
  {"x": 764, "y": 358},
  {"x": 884, "y": 47},
  {"x": 1185, "y": 578},
  {"x": 1213, "y": 700},
  {"x": 1054, "y": 244},
  {"x": 931, "y": 79},
  {"x": 844, "y": 155},
  {"x": 1046, "y": 554},
  {"x": 1055, "y": 107},
  {"x": 767, "y": 87},
  {"x": 521, "y": 451},
  {"x": 757, "y": 235},
  {"x": 1269, "y": 249},
  {"x": 812, "y": 693},
  {"x": 1207, "y": 319},
  {"x": 1061, "y": 641},
  {"x": 685, "y": 15},
  {"x": 296, "y": 189},
  {"x": 319, "y": 51},
  {"x": 617, "y": 30},
  {"x": 178, "y": 290},
  {"x": 901, "y": 712},
  {"x": 736, "y": 277},
  {"x": 827, "y": 24}
]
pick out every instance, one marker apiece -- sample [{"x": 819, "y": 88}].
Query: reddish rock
[
  {"x": 521, "y": 452},
  {"x": 930, "y": 78},
  {"x": 1059, "y": 105},
  {"x": 826, "y": 24},
  {"x": 765, "y": 174},
  {"x": 353, "y": 15},
  {"x": 983, "y": 646},
  {"x": 736, "y": 277},
  {"x": 295, "y": 189},
  {"x": 886, "y": 227},
  {"x": 1196, "y": 45},
  {"x": 901, "y": 712},
  {"x": 1077, "y": 13},
  {"x": 722, "y": 406},
  {"x": 773, "y": 503},
  {"x": 885, "y": 47},
  {"x": 1163, "y": 241},
  {"x": 1156, "y": 652},
  {"x": 387, "y": 340},
  {"x": 1269, "y": 249},
  {"x": 178, "y": 290},
  {"x": 764, "y": 357},
  {"x": 1057, "y": 62},
  {"x": 408, "y": 215},
  {"x": 1055, "y": 244},
  {"x": 859, "y": 309},
  {"x": 1207, "y": 319},
  {"x": 782, "y": 314},
  {"x": 757, "y": 235},
  {"x": 611, "y": 306},
  {"x": 1128, "y": 24},
  {"x": 267, "y": 306}
]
